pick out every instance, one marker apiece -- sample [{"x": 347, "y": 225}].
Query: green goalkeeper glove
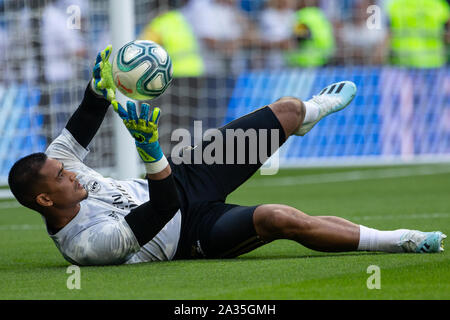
[
  {"x": 144, "y": 130},
  {"x": 102, "y": 79}
]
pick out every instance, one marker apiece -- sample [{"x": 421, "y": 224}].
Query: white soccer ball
[{"x": 142, "y": 70}]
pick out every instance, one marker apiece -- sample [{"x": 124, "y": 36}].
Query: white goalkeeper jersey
[{"x": 99, "y": 234}]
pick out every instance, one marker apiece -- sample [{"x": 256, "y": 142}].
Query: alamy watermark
[
  {"x": 227, "y": 146},
  {"x": 375, "y": 19},
  {"x": 74, "y": 280},
  {"x": 374, "y": 280},
  {"x": 73, "y": 22}
]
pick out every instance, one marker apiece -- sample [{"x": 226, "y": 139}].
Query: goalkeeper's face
[{"x": 59, "y": 187}]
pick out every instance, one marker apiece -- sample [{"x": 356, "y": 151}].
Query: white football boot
[
  {"x": 422, "y": 242},
  {"x": 333, "y": 98}
]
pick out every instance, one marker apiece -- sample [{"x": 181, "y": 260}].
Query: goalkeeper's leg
[
  {"x": 279, "y": 120},
  {"x": 215, "y": 181},
  {"x": 333, "y": 234}
]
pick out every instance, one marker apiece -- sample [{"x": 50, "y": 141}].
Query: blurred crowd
[
  {"x": 229, "y": 35},
  {"x": 210, "y": 37},
  {"x": 41, "y": 42}
]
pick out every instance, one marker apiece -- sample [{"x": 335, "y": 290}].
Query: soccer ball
[{"x": 142, "y": 70}]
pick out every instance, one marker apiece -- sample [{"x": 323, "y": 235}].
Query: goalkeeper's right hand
[
  {"x": 144, "y": 130},
  {"x": 102, "y": 79}
]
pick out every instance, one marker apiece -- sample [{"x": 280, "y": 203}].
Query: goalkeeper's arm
[
  {"x": 86, "y": 120},
  {"x": 149, "y": 219}
]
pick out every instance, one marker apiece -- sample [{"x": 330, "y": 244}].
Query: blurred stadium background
[{"x": 231, "y": 57}]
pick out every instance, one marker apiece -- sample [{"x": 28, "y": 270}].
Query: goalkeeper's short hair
[{"x": 24, "y": 177}]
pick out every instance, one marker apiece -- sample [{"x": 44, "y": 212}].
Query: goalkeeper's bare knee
[{"x": 275, "y": 221}]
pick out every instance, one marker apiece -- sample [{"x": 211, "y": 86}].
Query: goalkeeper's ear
[{"x": 44, "y": 200}]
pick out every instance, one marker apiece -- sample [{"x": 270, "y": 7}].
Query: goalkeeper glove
[
  {"x": 144, "y": 130},
  {"x": 102, "y": 79}
]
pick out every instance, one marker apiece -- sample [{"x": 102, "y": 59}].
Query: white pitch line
[
  {"x": 349, "y": 176},
  {"x": 9, "y": 205},
  {"x": 6, "y": 194}
]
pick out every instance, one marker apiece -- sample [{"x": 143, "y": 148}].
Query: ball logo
[{"x": 120, "y": 84}]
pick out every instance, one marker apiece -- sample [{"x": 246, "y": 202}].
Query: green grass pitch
[{"x": 416, "y": 197}]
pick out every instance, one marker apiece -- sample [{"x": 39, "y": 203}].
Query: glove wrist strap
[{"x": 157, "y": 166}]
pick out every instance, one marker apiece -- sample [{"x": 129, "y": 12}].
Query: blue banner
[{"x": 398, "y": 114}]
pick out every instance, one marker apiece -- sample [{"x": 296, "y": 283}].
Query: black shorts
[{"x": 211, "y": 228}]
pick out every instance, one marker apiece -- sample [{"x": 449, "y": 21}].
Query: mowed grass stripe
[
  {"x": 349, "y": 176},
  {"x": 396, "y": 283},
  {"x": 332, "y": 276}
]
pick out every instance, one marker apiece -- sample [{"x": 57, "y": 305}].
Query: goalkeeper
[{"x": 180, "y": 211}]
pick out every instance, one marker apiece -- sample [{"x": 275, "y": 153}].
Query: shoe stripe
[
  {"x": 323, "y": 91},
  {"x": 331, "y": 89},
  {"x": 340, "y": 87}
]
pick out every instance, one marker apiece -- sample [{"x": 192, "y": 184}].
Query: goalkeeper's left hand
[
  {"x": 144, "y": 130},
  {"x": 102, "y": 79}
]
